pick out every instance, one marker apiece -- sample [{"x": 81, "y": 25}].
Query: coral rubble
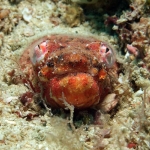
[{"x": 122, "y": 121}]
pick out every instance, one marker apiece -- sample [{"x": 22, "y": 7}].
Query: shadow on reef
[
  {"x": 14, "y": 2},
  {"x": 84, "y": 117},
  {"x": 98, "y": 13}
]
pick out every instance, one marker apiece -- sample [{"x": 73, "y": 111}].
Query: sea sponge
[{"x": 74, "y": 15}]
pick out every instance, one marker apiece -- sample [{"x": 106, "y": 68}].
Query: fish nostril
[{"x": 50, "y": 64}]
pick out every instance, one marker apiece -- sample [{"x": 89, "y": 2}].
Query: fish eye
[
  {"x": 107, "y": 49},
  {"x": 109, "y": 56}
]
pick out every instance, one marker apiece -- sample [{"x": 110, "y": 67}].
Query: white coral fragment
[
  {"x": 109, "y": 102},
  {"x": 27, "y": 14},
  {"x": 139, "y": 92},
  {"x": 11, "y": 98}
]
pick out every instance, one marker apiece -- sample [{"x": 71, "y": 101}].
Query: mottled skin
[{"x": 71, "y": 69}]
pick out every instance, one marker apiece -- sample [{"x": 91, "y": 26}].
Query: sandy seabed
[{"x": 26, "y": 21}]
